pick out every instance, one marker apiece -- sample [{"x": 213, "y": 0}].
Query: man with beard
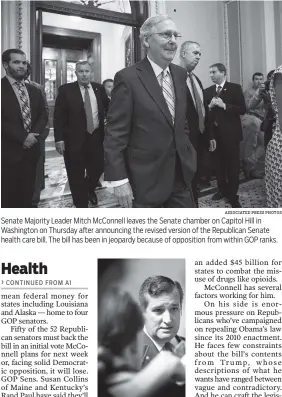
[
  {"x": 24, "y": 119},
  {"x": 148, "y": 154}
]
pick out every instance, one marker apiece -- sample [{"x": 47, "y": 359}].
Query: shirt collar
[
  {"x": 156, "y": 68},
  {"x": 83, "y": 85},
  {"x": 159, "y": 346},
  {"x": 12, "y": 81},
  {"x": 221, "y": 85}
]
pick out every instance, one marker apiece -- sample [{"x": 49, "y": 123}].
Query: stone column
[{"x": 15, "y": 26}]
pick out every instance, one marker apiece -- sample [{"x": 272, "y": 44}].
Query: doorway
[{"x": 62, "y": 48}]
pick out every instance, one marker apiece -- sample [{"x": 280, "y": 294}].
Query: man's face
[
  {"x": 83, "y": 73},
  {"x": 257, "y": 81},
  {"x": 16, "y": 67},
  {"x": 108, "y": 87},
  {"x": 162, "y": 316},
  {"x": 216, "y": 76},
  {"x": 191, "y": 56},
  {"x": 161, "y": 49}
]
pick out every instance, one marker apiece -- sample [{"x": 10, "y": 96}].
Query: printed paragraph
[
  {"x": 44, "y": 345},
  {"x": 183, "y": 230},
  {"x": 238, "y": 328}
]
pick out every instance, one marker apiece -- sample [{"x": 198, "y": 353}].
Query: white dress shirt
[
  {"x": 94, "y": 105},
  {"x": 93, "y": 101},
  {"x": 159, "y": 346}
]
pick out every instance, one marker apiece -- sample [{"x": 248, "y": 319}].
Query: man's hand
[
  {"x": 261, "y": 88},
  {"x": 170, "y": 365},
  {"x": 212, "y": 103},
  {"x": 219, "y": 102},
  {"x": 30, "y": 140},
  {"x": 124, "y": 195},
  {"x": 212, "y": 145},
  {"x": 60, "y": 147}
]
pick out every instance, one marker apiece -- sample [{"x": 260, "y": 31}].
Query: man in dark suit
[
  {"x": 226, "y": 103},
  {"x": 23, "y": 120},
  {"x": 190, "y": 54},
  {"x": 148, "y": 154},
  {"x": 79, "y": 133},
  {"x": 40, "y": 175},
  {"x": 161, "y": 301},
  {"x": 108, "y": 85}
]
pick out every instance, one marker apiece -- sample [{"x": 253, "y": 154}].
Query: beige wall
[{"x": 202, "y": 21}]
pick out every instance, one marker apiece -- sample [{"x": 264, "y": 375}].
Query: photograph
[
  {"x": 141, "y": 104},
  {"x": 141, "y": 327}
]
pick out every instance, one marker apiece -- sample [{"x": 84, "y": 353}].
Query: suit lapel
[
  {"x": 150, "y": 82},
  {"x": 31, "y": 101},
  {"x": 224, "y": 89},
  {"x": 149, "y": 350},
  {"x": 77, "y": 95},
  {"x": 99, "y": 102},
  {"x": 12, "y": 99}
]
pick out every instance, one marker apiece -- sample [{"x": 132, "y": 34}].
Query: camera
[{"x": 267, "y": 85}]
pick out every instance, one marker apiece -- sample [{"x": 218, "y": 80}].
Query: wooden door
[{"x": 58, "y": 68}]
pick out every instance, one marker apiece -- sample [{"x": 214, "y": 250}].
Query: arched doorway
[{"x": 62, "y": 32}]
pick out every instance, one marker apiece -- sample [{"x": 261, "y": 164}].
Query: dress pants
[
  {"x": 200, "y": 145},
  {"x": 227, "y": 162},
  {"x": 17, "y": 182},
  {"x": 181, "y": 195},
  {"x": 89, "y": 159}
]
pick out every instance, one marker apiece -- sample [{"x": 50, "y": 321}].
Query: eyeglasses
[{"x": 168, "y": 35}]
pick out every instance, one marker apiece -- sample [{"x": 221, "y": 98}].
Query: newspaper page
[
  {"x": 180, "y": 295},
  {"x": 61, "y": 266}
]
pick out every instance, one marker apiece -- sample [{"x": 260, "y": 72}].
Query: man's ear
[
  {"x": 146, "y": 44},
  {"x": 5, "y": 65}
]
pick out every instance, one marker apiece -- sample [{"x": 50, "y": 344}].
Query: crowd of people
[{"x": 155, "y": 132}]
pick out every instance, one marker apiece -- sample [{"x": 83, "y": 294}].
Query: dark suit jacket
[
  {"x": 13, "y": 133},
  {"x": 69, "y": 115},
  {"x": 140, "y": 139},
  {"x": 228, "y": 121},
  {"x": 149, "y": 352},
  {"x": 192, "y": 116}
]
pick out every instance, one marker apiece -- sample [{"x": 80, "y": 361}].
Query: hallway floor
[{"x": 57, "y": 193}]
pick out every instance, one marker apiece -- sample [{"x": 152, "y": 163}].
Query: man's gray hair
[
  {"x": 81, "y": 62},
  {"x": 186, "y": 45},
  {"x": 148, "y": 26}
]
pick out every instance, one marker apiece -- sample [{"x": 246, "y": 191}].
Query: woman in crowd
[
  {"x": 273, "y": 161},
  {"x": 120, "y": 351}
]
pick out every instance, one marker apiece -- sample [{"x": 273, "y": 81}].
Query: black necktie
[
  {"x": 218, "y": 90},
  {"x": 168, "y": 347}
]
